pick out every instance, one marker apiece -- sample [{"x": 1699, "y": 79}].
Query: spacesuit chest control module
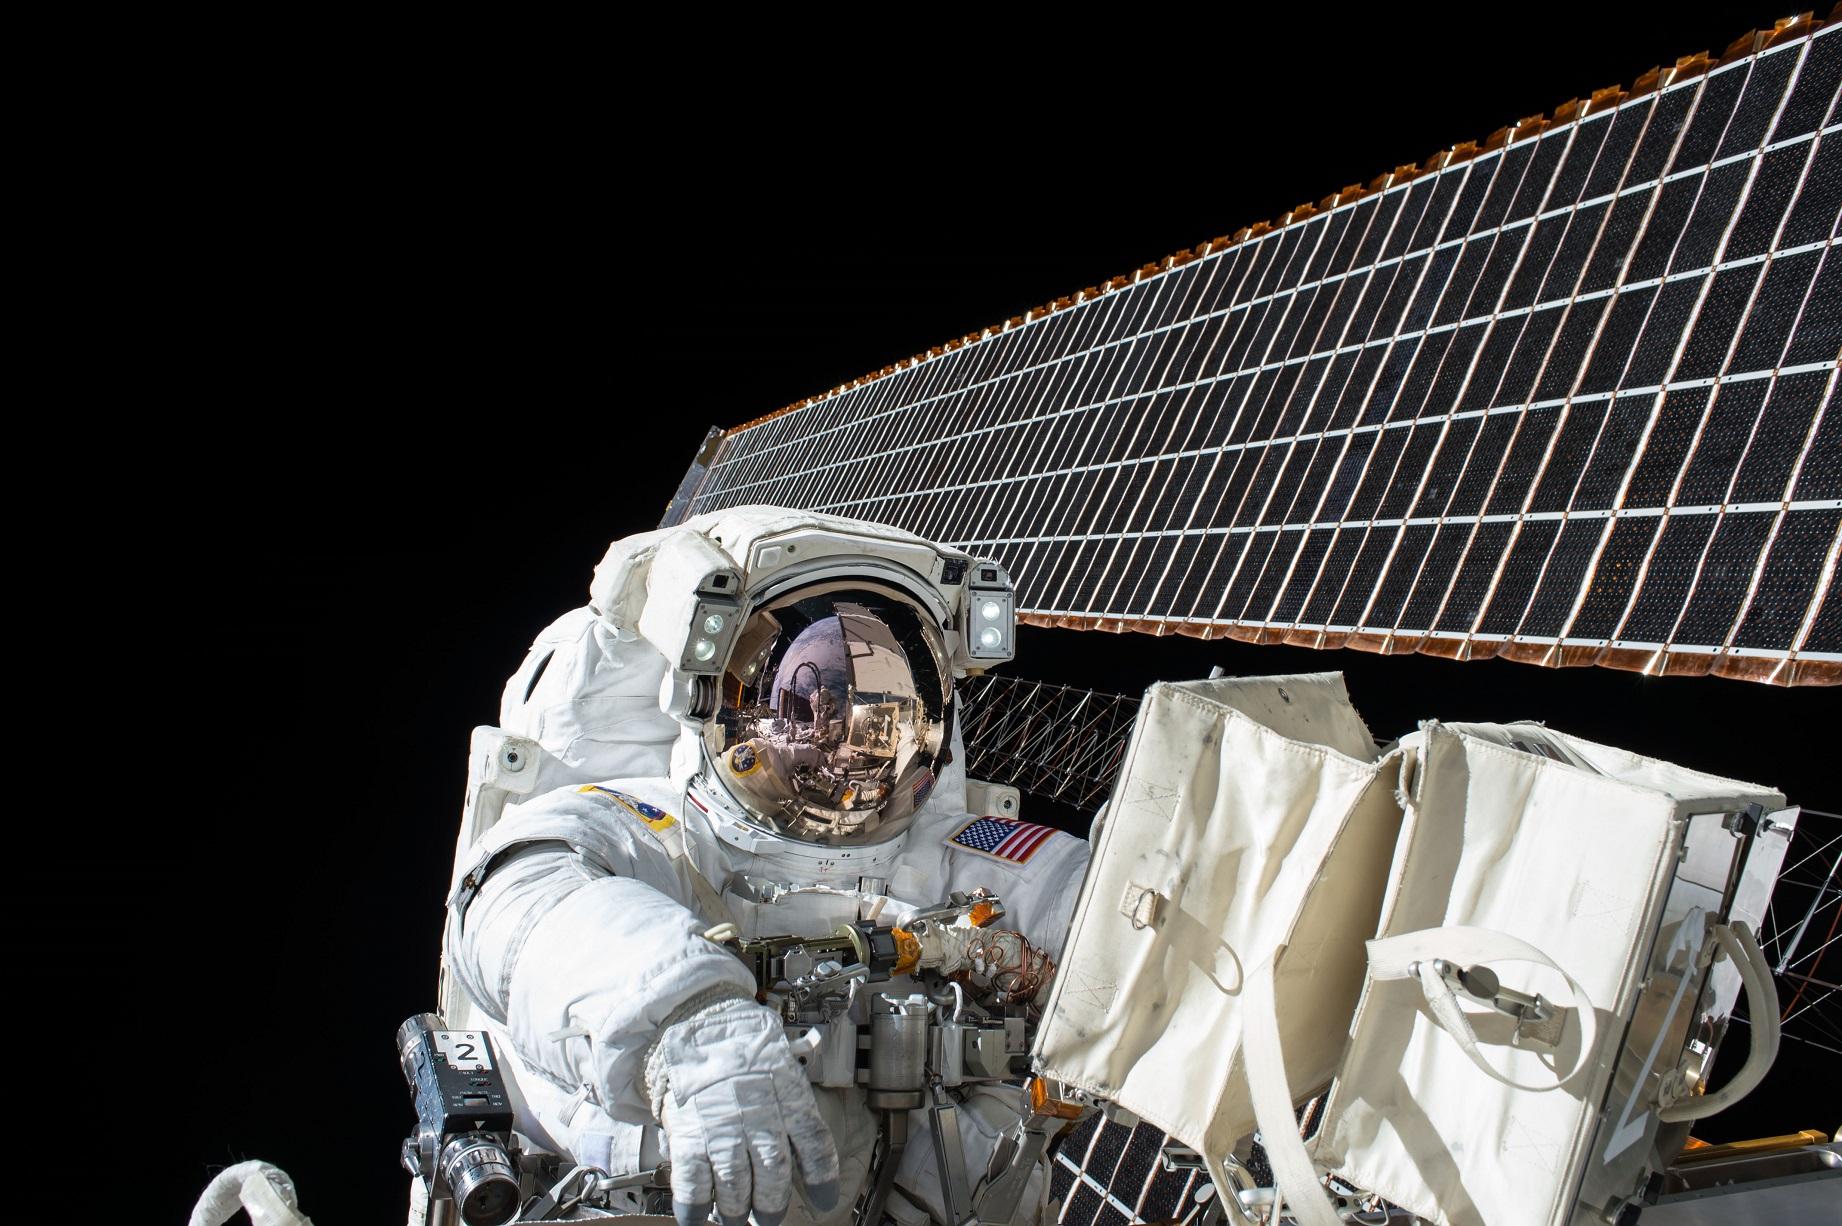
[{"x": 725, "y": 932}]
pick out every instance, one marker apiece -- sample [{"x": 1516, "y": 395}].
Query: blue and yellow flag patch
[{"x": 655, "y": 817}]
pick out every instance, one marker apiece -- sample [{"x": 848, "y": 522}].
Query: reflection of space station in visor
[{"x": 827, "y": 712}]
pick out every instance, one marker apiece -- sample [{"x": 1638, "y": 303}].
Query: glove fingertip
[
  {"x": 732, "y": 1219},
  {"x": 821, "y": 1196},
  {"x": 691, "y": 1213},
  {"x": 764, "y": 1218}
]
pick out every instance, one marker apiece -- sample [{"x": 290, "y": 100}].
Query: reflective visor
[{"x": 833, "y": 716}]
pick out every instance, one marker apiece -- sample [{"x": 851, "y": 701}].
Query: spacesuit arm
[{"x": 583, "y": 966}]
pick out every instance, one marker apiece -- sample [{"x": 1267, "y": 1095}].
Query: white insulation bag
[
  {"x": 1249, "y": 813},
  {"x": 1529, "y": 864}
]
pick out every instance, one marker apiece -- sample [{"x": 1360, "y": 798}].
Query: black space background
[{"x": 427, "y": 331}]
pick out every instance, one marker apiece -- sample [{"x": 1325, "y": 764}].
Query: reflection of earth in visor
[{"x": 834, "y": 705}]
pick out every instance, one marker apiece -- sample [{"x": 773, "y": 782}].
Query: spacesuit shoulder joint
[{"x": 475, "y": 877}]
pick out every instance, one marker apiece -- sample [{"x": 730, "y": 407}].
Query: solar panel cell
[
  {"x": 1675, "y": 200},
  {"x": 1655, "y": 147},
  {"x": 1504, "y": 185},
  {"x": 1428, "y": 360},
  {"x": 1714, "y": 106},
  {"x": 1817, "y": 336},
  {"x": 1560, "y": 581},
  {"x": 1655, "y": 352},
  {"x": 1813, "y": 215},
  {"x": 1614, "y": 158},
  {"x": 1821, "y": 475},
  {"x": 1448, "y": 464},
  {"x": 1084, "y": 1204},
  {"x": 1278, "y": 565},
  {"x": 1779, "y": 172},
  {"x": 1364, "y": 575},
  {"x": 1662, "y": 456},
  {"x": 1378, "y": 474},
  {"x": 1287, "y": 486},
  {"x": 1538, "y": 278},
  {"x": 1718, "y": 320},
  {"x": 1586, "y": 138},
  {"x": 1713, "y": 212},
  {"x": 1668, "y": 579},
  {"x": 1397, "y": 581},
  {"x": 1780, "y": 301},
  {"x": 1813, "y": 97},
  {"x": 1825, "y": 632},
  {"x": 1614, "y": 577},
  {"x": 1612, "y": 352},
  {"x": 1240, "y": 564},
  {"x": 1475, "y": 572},
  {"x": 1573, "y": 446},
  {"x": 1339, "y": 497},
  {"x": 1304, "y": 571},
  {"x": 1614, "y": 451},
  {"x": 1521, "y": 570},
  {"x": 1571, "y": 349},
  {"x": 1386, "y": 209},
  {"x": 1723, "y": 579},
  {"x": 1435, "y": 576},
  {"x": 1486, "y": 172},
  {"x": 1327, "y": 584},
  {"x": 1515, "y": 476},
  {"x": 1406, "y": 233},
  {"x": 1612, "y": 246},
  {"x": 1799, "y": 551},
  {"x": 1783, "y": 431},
  {"x": 1758, "y": 106},
  {"x": 1432, "y": 292}
]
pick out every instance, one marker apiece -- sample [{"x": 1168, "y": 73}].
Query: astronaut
[{"x": 748, "y": 732}]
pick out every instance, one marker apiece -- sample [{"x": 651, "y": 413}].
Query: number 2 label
[{"x": 465, "y": 1050}]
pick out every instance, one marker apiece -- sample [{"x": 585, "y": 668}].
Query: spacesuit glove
[{"x": 737, "y": 1112}]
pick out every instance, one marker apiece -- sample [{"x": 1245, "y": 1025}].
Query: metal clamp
[
  {"x": 1537, "y": 1020},
  {"x": 565, "y": 1197}
]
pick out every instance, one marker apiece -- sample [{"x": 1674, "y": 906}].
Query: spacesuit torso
[{"x": 648, "y": 830}]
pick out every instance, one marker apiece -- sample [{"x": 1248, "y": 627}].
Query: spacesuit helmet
[{"x": 834, "y": 713}]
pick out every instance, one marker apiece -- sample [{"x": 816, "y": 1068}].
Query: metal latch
[{"x": 1537, "y": 1020}]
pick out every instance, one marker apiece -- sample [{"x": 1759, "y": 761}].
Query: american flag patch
[
  {"x": 1002, "y": 838},
  {"x": 924, "y": 784}
]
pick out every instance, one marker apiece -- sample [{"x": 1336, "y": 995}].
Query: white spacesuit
[{"x": 748, "y": 732}]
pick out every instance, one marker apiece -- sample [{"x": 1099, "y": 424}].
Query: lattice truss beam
[
  {"x": 1801, "y": 932},
  {"x": 1566, "y": 396},
  {"x": 1054, "y": 741}
]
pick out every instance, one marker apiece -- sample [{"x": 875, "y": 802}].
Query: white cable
[
  {"x": 261, "y": 1189},
  {"x": 1736, "y": 941}
]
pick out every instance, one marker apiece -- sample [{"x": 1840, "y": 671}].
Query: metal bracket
[
  {"x": 1537, "y": 1020},
  {"x": 955, "y": 1192},
  {"x": 1141, "y": 905}
]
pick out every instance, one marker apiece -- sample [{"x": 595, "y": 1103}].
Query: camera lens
[{"x": 482, "y": 1179}]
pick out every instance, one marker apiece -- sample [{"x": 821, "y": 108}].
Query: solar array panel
[{"x": 1566, "y": 397}]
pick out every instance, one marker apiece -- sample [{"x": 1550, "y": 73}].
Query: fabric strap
[
  {"x": 1407, "y": 956},
  {"x": 1736, "y": 941},
  {"x": 1412, "y": 954},
  {"x": 1293, "y": 1169}
]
